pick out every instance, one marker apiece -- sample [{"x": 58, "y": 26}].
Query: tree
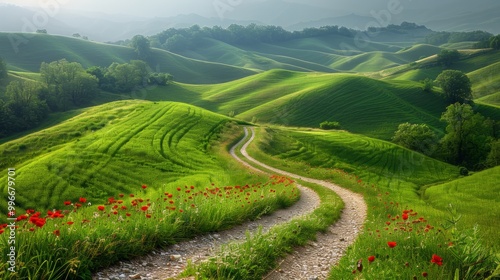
[
  {"x": 141, "y": 46},
  {"x": 456, "y": 86},
  {"x": 3, "y": 70},
  {"x": 467, "y": 137},
  {"x": 494, "y": 155},
  {"x": 24, "y": 105},
  {"x": 494, "y": 42},
  {"x": 448, "y": 57},
  {"x": 41, "y": 31},
  {"x": 68, "y": 84},
  {"x": 428, "y": 84},
  {"x": 416, "y": 137}
]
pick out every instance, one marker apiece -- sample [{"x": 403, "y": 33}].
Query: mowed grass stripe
[{"x": 122, "y": 154}]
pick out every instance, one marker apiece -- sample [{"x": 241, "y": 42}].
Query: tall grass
[{"x": 397, "y": 212}]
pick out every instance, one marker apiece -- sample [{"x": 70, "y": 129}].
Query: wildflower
[
  {"x": 82, "y": 200},
  {"x": 425, "y": 274},
  {"x": 78, "y": 205},
  {"x": 148, "y": 216},
  {"x": 437, "y": 260},
  {"x": 67, "y": 203},
  {"x": 144, "y": 208},
  {"x": 405, "y": 216},
  {"x": 101, "y": 208},
  {"x": 128, "y": 214},
  {"x": 70, "y": 223},
  {"x": 391, "y": 244},
  {"x": 57, "y": 232},
  {"x": 144, "y": 187},
  {"x": 371, "y": 259},
  {"x": 2, "y": 231},
  {"x": 121, "y": 195}
]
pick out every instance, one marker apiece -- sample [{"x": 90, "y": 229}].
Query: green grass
[
  {"x": 47, "y": 48},
  {"x": 475, "y": 198},
  {"x": 392, "y": 182},
  {"x": 485, "y": 81},
  {"x": 110, "y": 148}
]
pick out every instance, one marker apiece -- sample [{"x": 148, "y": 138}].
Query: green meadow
[{"x": 177, "y": 136}]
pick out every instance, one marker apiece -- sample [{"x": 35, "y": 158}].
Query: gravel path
[
  {"x": 314, "y": 261},
  {"x": 309, "y": 262},
  {"x": 162, "y": 264}
]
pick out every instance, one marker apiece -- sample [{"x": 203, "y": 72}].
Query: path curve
[
  {"x": 170, "y": 262},
  {"x": 315, "y": 260}
]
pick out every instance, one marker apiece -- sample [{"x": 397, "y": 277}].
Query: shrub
[{"x": 329, "y": 125}]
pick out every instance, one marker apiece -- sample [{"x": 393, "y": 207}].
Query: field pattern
[{"x": 108, "y": 152}]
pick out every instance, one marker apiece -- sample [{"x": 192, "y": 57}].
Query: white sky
[{"x": 166, "y": 7}]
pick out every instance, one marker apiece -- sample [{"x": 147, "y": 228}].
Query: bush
[
  {"x": 329, "y": 125},
  {"x": 464, "y": 171}
]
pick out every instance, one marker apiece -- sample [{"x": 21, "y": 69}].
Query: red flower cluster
[{"x": 437, "y": 260}]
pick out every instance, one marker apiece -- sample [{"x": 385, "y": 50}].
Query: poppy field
[
  {"x": 79, "y": 237},
  {"x": 404, "y": 236}
]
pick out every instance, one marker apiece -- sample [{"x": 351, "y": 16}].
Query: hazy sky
[{"x": 174, "y": 7}]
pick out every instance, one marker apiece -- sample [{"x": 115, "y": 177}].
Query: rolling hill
[
  {"x": 114, "y": 148},
  {"x": 38, "y": 48}
]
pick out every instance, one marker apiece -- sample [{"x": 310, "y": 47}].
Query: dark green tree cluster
[
  {"x": 174, "y": 39},
  {"x": 126, "y": 77},
  {"x": 469, "y": 141},
  {"x": 64, "y": 85},
  {"x": 416, "y": 137},
  {"x": 440, "y": 38},
  {"x": 3, "y": 70},
  {"x": 492, "y": 42},
  {"x": 141, "y": 46},
  {"x": 456, "y": 86},
  {"x": 448, "y": 57}
]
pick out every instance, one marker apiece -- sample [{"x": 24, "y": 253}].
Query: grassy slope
[
  {"x": 46, "y": 48},
  {"x": 362, "y": 105},
  {"x": 220, "y": 52},
  {"x": 113, "y": 148},
  {"x": 475, "y": 197},
  {"x": 382, "y": 163}
]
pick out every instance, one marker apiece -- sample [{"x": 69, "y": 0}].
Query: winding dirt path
[
  {"x": 309, "y": 262},
  {"x": 314, "y": 261}
]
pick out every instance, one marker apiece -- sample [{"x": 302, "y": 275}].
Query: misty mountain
[{"x": 445, "y": 15}]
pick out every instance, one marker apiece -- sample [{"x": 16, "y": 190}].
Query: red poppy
[
  {"x": 57, "y": 232},
  {"x": 78, "y": 205},
  {"x": 144, "y": 208},
  {"x": 100, "y": 208},
  {"x": 405, "y": 216},
  {"x": 32, "y": 229},
  {"x": 131, "y": 195},
  {"x": 83, "y": 199},
  {"x": 128, "y": 214},
  {"x": 121, "y": 195},
  {"x": 70, "y": 223},
  {"x": 144, "y": 187},
  {"x": 391, "y": 244},
  {"x": 67, "y": 203},
  {"x": 178, "y": 189},
  {"x": 425, "y": 274},
  {"x": 22, "y": 217},
  {"x": 371, "y": 258},
  {"x": 437, "y": 260},
  {"x": 148, "y": 216},
  {"x": 2, "y": 231}
]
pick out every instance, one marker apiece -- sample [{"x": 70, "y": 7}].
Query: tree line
[
  {"x": 177, "y": 39},
  {"x": 470, "y": 141},
  {"x": 65, "y": 85}
]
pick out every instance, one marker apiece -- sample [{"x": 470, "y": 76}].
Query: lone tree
[
  {"x": 456, "y": 86},
  {"x": 416, "y": 137},
  {"x": 467, "y": 137},
  {"x": 141, "y": 46}
]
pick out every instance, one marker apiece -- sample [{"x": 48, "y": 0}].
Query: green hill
[
  {"x": 360, "y": 104},
  {"x": 113, "y": 148},
  {"x": 382, "y": 163},
  {"x": 47, "y": 48},
  {"x": 472, "y": 197}
]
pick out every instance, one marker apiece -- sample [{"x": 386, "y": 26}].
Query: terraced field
[{"x": 115, "y": 147}]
